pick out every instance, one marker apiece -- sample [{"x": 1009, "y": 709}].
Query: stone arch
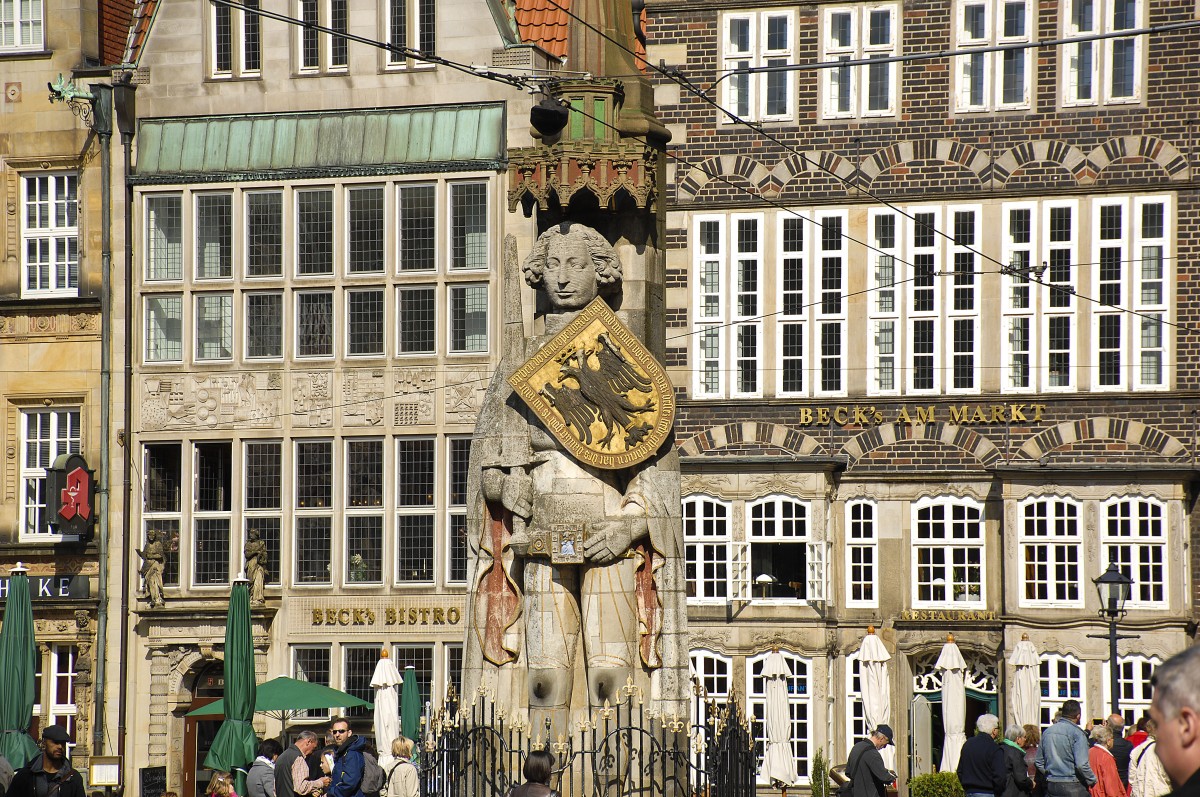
[
  {"x": 189, "y": 664},
  {"x": 815, "y": 160},
  {"x": 1102, "y": 428},
  {"x": 1150, "y": 148},
  {"x": 1044, "y": 151},
  {"x": 760, "y": 432},
  {"x": 946, "y": 150},
  {"x": 949, "y": 434},
  {"x": 751, "y": 170}
]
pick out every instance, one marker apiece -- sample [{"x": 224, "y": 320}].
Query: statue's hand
[
  {"x": 516, "y": 495},
  {"x": 609, "y": 540}
]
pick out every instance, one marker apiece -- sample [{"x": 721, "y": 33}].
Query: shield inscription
[{"x": 599, "y": 391}]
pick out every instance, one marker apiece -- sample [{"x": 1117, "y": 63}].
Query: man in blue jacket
[
  {"x": 347, "y": 761},
  {"x": 981, "y": 761},
  {"x": 1062, "y": 757}
]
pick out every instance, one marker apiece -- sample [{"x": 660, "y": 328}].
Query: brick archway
[
  {"x": 945, "y": 150},
  {"x": 1059, "y": 153},
  {"x": 949, "y": 434},
  {"x": 768, "y": 434},
  {"x": 1102, "y": 428},
  {"x": 1145, "y": 147}
]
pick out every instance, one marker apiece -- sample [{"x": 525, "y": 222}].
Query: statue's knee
[
  {"x": 547, "y": 689},
  {"x": 604, "y": 683}
]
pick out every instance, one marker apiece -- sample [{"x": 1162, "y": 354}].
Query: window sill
[
  {"x": 52, "y": 302},
  {"x": 25, "y": 55}
]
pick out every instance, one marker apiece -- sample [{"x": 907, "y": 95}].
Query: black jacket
[
  {"x": 981, "y": 765},
  {"x": 868, "y": 775},
  {"x": 32, "y": 780},
  {"x": 1017, "y": 782},
  {"x": 283, "y": 772},
  {"x": 1121, "y": 750},
  {"x": 1190, "y": 787}
]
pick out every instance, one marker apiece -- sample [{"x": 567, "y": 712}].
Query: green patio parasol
[
  {"x": 235, "y": 746},
  {"x": 410, "y": 705},
  {"x": 17, "y": 663},
  {"x": 283, "y": 698}
]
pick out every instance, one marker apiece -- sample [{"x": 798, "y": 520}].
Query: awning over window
[{"x": 321, "y": 144}]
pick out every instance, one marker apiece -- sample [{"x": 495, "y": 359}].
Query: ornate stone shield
[{"x": 599, "y": 391}]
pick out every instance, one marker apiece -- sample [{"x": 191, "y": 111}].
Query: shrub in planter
[
  {"x": 821, "y": 787},
  {"x": 935, "y": 784}
]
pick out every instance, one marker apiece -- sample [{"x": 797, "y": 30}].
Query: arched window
[
  {"x": 1134, "y": 537},
  {"x": 799, "y": 705},
  {"x": 1061, "y": 679},
  {"x": 862, "y": 550},
  {"x": 1051, "y": 540},
  {"x": 1133, "y": 681},
  {"x": 948, "y": 553},
  {"x": 706, "y": 537},
  {"x": 781, "y": 557}
]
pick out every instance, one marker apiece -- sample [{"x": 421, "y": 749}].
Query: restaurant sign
[{"x": 55, "y": 587}]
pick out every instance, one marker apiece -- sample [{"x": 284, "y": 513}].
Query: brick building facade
[{"x": 931, "y": 322}]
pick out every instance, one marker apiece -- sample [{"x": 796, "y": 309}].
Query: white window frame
[
  {"x": 451, "y": 510},
  {"x": 68, "y": 711},
  {"x": 450, "y": 316},
  {"x": 324, "y": 41},
  {"x": 333, "y": 323},
  {"x": 257, "y": 514},
  {"x": 1142, "y": 302},
  {"x": 151, "y": 244},
  {"x": 710, "y": 325},
  {"x": 296, "y": 512},
  {"x": 1048, "y": 291},
  {"x": 448, "y": 246},
  {"x": 346, "y": 320},
  {"x": 937, "y": 290},
  {"x": 950, "y": 543},
  {"x": 1059, "y": 688},
  {"x": 166, "y": 517},
  {"x": 239, "y": 26},
  {"x": 1101, "y": 52},
  {"x": 823, "y": 318},
  {"x": 413, "y": 11},
  {"x": 786, "y": 319},
  {"x": 1141, "y": 512},
  {"x": 719, "y": 558},
  {"x": 859, "y": 48},
  {"x": 993, "y": 62},
  {"x": 283, "y": 324},
  {"x": 773, "y": 528},
  {"x": 861, "y": 542},
  {"x": 1122, "y": 246},
  {"x": 347, "y": 238},
  {"x": 885, "y": 290},
  {"x": 856, "y": 712},
  {"x": 149, "y": 350},
  {"x": 379, "y": 511},
  {"x": 61, "y": 420},
  {"x": 1136, "y": 691},
  {"x": 1017, "y": 278},
  {"x": 799, "y": 708},
  {"x": 198, "y": 515},
  {"x": 315, "y": 715},
  {"x": 54, "y": 237},
  {"x": 1056, "y": 514},
  {"x": 969, "y": 316},
  {"x": 433, "y": 510},
  {"x": 756, "y": 55},
  {"x": 228, "y": 323},
  {"x": 32, "y": 29}
]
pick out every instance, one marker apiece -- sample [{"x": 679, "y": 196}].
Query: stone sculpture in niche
[
  {"x": 575, "y": 535},
  {"x": 154, "y": 558},
  {"x": 256, "y": 570}
]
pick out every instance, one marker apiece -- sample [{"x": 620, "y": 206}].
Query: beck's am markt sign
[{"x": 960, "y": 414}]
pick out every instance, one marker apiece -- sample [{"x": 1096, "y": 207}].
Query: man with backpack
[{"x": 865, "y": 768}]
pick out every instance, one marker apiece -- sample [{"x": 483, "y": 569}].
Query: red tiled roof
[
  {"x": 544, "y": 24},
  {"x": 143, "y": 16},
  {"x": 115, "y": 18}
]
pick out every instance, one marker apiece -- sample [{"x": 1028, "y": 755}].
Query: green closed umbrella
[
  {"x": 410, "y": 705},
  {"x": 235, "y": 746},
  {"x": 17, "y": 663}
]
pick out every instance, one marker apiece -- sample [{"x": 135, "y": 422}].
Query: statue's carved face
[{"x": 570, "y": 275}]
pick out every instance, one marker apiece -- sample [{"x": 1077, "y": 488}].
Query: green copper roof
[{"x": 339, "y": 143}]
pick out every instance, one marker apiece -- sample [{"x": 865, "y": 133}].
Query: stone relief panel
[
  {"x": 464, "y": 395},
  {"x": 718, "y": 485},
  {"x": 414, "y": 394},
  {"x": 312, "y": 398},
  {"x": 179, "y": 401},
  {"x": 50, "y": 324},
  {"x": 363, "y": 394}
]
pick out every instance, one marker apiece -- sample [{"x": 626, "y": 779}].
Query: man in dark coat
[
  {"x": 1017, "y": 782},
  {"x": 348, "y": 764},
  {"x": 1175, "y": 709},
  {"x": 292, "y": 775},
  {"x": 981, "y": 762},
  {"x": 1121, "y": 747},
  {"x": 49, "y": 774},
  {"x": 864, "y": 766}
]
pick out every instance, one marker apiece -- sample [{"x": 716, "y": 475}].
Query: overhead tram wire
[
  {"x": 676, "y": 76},
  {"x": 487, "y": 74}
]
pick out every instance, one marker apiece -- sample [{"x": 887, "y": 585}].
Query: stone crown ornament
[{"x": 599, "y": 391}]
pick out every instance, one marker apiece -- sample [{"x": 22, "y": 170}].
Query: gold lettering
[
  {"x": 958, "y": 414},
  {"x": 1016, "y": 412},
  {"x": 439, "y": 616},
  {"x": 997, "y": 413},
  {"x": 389, "y": 616},
  {"x": 902, "y": 416},
  {"x": 370, "y": 617},
  {"x": 331, "y": 617},
  {"x": 978, "y": 416},
  {"x": 453, "y": 615},
  {"x": 343, "y": 617},
  {"x": 318, "y": 616},
  {"x": 925, "y": 414},
  {"x": 412, "y": 616},
  {"x": 822, "y": 416},
  {"x": 1037, "y": 411},
  {"x": 806, "y": 416},
  {"x": 424, "y": 616},
  {"x": 878, "y": 414},
  {"x": 841, "y": 416},
  {"x": 359, "y": 619},
  {"x": 860, "y": 415}
]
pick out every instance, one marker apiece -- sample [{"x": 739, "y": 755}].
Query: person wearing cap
[
  {"x": 48, "y": 774},
  {"x": 865, "y": 768}
]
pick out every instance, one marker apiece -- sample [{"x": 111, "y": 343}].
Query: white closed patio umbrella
[
  {"x": 387, "y": 704},
  {"x": 779, "y": 764},
  {"x": 954, "y": 703},
  {"x": 876, "y": 688},
  {"x": 1023, "y": 706}
]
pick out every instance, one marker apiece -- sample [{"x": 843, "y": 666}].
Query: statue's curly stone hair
[{"x": 604, "y": 257}]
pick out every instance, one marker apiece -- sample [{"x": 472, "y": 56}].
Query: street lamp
[{"x": 1114, "y": 588}]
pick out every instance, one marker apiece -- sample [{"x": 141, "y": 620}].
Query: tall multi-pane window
[
  {"x": 264, "y": 325},
  {"x": 417, "y": 230},
  {"x": 411, "y": 25},
  {"x": 162, "y": 503},
  {"x": 1061, "y": 679},
  {"x": 45, "y": 434},
  {"x": 212, "y": 507},
  {"x": 778, "y": 534},
  {"x": 262, "y": 501},
  {"x": 363, "y": 516},
  {"x": 314, "y": 324},
  {"x": 264, "y": 234},
  {"x": 416, "y": 471},
  {"x": 856, "y": 714},
  {"x": 1108, "y": 70},
  {"x": 829, "y": 270},
  {"x": 948, "y": 560},
  {"x": 862, "y": 553},
  {"x": 799, "y": 706},
  {"x": 751, "y": 40},
  {"x": 312, "y": 663},
  {"x": 420, "y": 658},
  {"x": 214, "y": 235},
  {"x": 745, "y": 333},
  {"x": 314, "y": 232},
  {"x": 962, "y": 311},
  {"x": 468, "y": 225},
  {"x": 358, "y": 666},
  {"x": 365, "y": 239},
  {"x": 860, "y": 33},
  {"x": 992, "y": 80},
  {"x": 312, "y": 519},
  {"x": 316, "y": 50},
  {"x": 364, "y": 322},
  {"x": 1051, "y": 540},
  {"x": 706, "y": 538},
  {"x": 1134, "y": 538},
  {"x": 164, "y": 237},
  {"x": 924, "y": 307},
  {"x": 709, "y": 304},
  {"x": 884, "y": 307},
  {"x": 1150, "y": 289},
  {"x": 417, "y": 322},
  {"x": 1019, "y": 296},
  {"x": 1134, "y": 683},
  {"x": 792, "y": 327},
  {"x": 458, "y": 455},
  {"x": 214, "y": 326},
  {"x": 22, "y": 26},
  {"x": 1059, "y": 304},
  {"x": 49, "y": 231},
  {"x": 236, "y": 36},
  {"x": 468, "y": 318}
]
